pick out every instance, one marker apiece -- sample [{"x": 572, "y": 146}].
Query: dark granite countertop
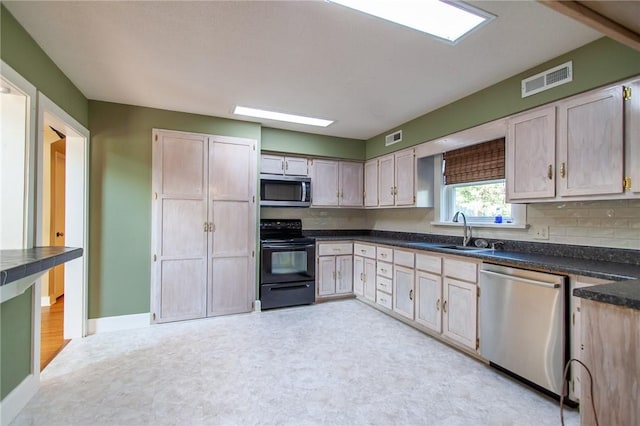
[
  {"x": 17, "y": 264},
  {"x": 623, "y": 293},
  {"x": 572, "y": 261}
]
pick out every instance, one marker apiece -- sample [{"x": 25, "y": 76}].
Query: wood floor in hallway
[{"x": 52, "y": 332}]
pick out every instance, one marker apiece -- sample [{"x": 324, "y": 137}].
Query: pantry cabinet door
[
  {"x": 429, "y": 300},
  {"x": 371, "y": 183},
  {"x": 351, "y": 184},
  {"x": 325, "y": 183},
  {"x": 405, "y": 178},
  {"x": 460, "y": 312},
  {"x": 590, "y": 145},
  {"x": 179, "y": 237},
  {"x": 232, "y": 214},
  {"x": 531, "y": 155},
  {"x": 386, "y": 184}
]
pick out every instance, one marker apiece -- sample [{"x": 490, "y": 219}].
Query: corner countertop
[
  {"x": 18, "y": 264},
  {"x": 622, "y": 293}
]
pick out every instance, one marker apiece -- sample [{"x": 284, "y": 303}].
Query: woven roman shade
[{"x": 484, "y": 161}]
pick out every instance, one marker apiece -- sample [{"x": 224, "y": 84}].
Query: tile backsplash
[
  {"x": 590, "y": 223},
  {"x": 319, "y": 218}
]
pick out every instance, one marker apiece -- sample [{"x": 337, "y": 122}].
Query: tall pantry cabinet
[{"x": 203, "y": 234}]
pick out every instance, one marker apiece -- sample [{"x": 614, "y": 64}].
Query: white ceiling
[{"x": 303, "y": 57}]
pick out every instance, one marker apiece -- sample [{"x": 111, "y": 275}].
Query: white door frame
[
  {"x": 76, "y": 210},
  {"x": 11, "y": 405}
]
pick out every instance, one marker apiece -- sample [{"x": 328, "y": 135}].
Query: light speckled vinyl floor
[{"x": 338, "y": 363}]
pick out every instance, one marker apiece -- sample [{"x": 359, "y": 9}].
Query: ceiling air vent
[
  {"x": 546, "y": 80},
  {"x": 394, "y": 137}
]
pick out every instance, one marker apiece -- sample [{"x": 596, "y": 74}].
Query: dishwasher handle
[{"x": 524, "y": 280}]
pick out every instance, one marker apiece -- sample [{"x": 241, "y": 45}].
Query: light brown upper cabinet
[
  {"x": 396, "y": 179},
  {"x": 280, "y": 165},
  {"x": 582, "y": 148},
  {"x": 632, "y": 138},
  {"x": 591, "y": 144},
  {"x": 337, "y": 183},
  {"x": 371, "y": 183},
  {"x": 203, "y": 231},
  {"x": 530, "y": 153}
]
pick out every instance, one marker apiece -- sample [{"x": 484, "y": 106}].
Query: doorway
[
  {"x": 62, "y": 219},
  {"x": 52, "y": 339}
]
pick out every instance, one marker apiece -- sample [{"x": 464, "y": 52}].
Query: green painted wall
[
  {"x": 595, "y": 64},
  {"x": 23, "y": 54},
  {"x": 313, "y": 145},
  {"x": 15, "y": 341},
  {"x": 120, "y": 198}
]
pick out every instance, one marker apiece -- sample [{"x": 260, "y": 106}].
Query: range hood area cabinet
[
  {"x": 283, "y": 165},
  {"x": 586, "y": 147}
]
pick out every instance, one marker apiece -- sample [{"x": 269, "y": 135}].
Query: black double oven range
[{"x": 287, "y": 264}]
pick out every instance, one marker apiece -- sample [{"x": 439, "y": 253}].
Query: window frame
[{"x": 444, "y": 207}]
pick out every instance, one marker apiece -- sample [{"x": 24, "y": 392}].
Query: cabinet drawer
[
  {"x": 403, "y": 258},
  {"x": 384, "y": 284},
  {"x": 384, "y": 269},
  {"x": 467, "y": 271},
  {"x": 364, "y": 250},
  {"x": 328, "y": 249},
  {"x": 384, "y": 253},
  {"x": 429, "y": 263},
  {"x": 383, "y": 299}
]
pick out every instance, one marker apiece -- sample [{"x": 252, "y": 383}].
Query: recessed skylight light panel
[
  {"x": 279, "y": 116},
  {"x": 445, "y": 20}
]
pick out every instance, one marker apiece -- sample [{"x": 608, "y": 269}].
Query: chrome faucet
[{"x": 467, "y": 228}]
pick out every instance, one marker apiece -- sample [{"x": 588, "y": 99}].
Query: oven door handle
[
  {"x": 289, "y": 287},
  {"x": 287, "y": 246}
]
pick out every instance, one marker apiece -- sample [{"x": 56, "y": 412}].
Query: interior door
[
  {"x": 179, "y": 225},
  {"x": 232, "y": 213},
  {"x": 58, "y": 179}
]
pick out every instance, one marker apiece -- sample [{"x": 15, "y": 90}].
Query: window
[
  {"x": 473, "y": 183},
  {"x": 481, "y": 202}
]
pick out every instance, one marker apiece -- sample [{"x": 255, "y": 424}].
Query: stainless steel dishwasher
[{"x": 522, "y": 324}]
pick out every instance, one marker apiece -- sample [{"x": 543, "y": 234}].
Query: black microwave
[{"x": 285, "y": 191}]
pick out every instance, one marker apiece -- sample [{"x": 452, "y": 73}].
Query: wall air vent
[
  {"x": 394, "y": 137},
  {"x": 547, "y": 79}
]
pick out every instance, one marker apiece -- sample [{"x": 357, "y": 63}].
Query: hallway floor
[
  {"x": 51, "y": 332},
  {"x": 338, "y": 363}
]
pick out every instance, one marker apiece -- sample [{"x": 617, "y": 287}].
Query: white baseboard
[
  {"x": 45, "y": 301},
  {"x": 13, "y": 403},
  {"x": 121, "y": 322}
]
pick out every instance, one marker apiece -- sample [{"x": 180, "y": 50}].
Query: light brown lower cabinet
[{"x": 611, "y": 338}]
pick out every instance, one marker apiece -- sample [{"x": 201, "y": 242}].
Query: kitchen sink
[
  {"x": 446, "y": 246},
  {"x": 464, "y": 248}
]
